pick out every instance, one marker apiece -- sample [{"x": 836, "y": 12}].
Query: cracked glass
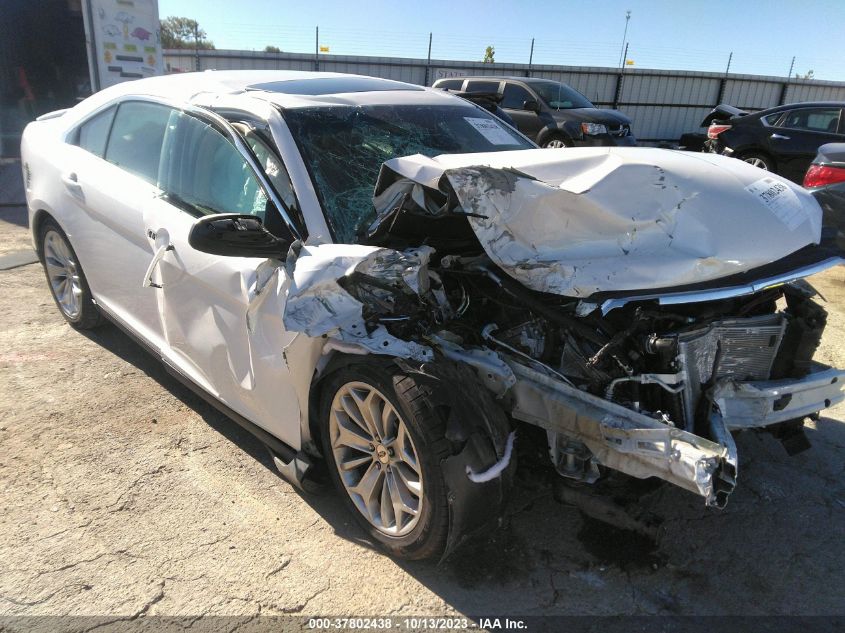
[{"x": 345, "y": 146}]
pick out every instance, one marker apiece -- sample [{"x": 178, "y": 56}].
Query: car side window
[
  {"x": 93, "y": 134},
  {"x": 813, "y": 120},
  {"x": 204, "y": 173},
  {"x": 772, "y": 119},
  {"x": 136, "y": 138},
  {"x": 514, "y": 96},
  {"x": 269, "y": 160},
  {"x": 482, "y": 86},
  {"x": 450, "y": 84}
]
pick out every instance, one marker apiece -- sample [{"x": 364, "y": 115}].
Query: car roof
[
  {"x": 527, "y": 80},
  {"x": 286, "y": 88},
  {"x": 802, "y": 104}
]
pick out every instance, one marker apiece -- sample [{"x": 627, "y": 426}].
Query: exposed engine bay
[{"x": 647, "y": 380}]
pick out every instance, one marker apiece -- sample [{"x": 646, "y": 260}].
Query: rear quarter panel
[{"x": 42, "y": 155}]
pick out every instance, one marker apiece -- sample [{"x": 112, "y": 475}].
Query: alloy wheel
[
  {"x": 757, "y": 162},
  {"x": 63, "y": 273},
  {"x": 376, "y": 458},
  {"x": 555, "y": 143}
]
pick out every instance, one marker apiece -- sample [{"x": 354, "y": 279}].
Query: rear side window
[
  {"x": 813, "y": 119},
  {"x": 772, "y": 119},
  {"x": 482, "y": 86},
  {"x": 136, "y": 137},
  {"x": 93, "y": 134},
  {"x": 514, "y": 96},
  {"x": 450, "y": 84}
]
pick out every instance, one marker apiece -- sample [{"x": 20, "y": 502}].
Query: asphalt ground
[{"x": 124, "y": 495}]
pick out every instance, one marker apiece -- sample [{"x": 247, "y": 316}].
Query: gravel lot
[{"x": 124, "y": 494}]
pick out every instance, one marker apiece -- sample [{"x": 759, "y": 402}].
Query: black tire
[
  {"x": 88, "y": 315},
  {"x": 558, "y": 141},
  {"x": 426, "y": 429},
  {"x": 759, "y": 160}
]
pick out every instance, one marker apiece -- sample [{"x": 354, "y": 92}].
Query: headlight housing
[{"x": 593, "y": 129}]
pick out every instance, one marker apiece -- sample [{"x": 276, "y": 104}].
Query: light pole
[{"x": 624, "y": 36}]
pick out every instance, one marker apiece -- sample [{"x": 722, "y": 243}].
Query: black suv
[{"x": 549, "y": 112}]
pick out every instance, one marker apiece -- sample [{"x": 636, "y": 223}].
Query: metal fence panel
[
  {"x": 663, "y": 104},
  {"x": 752, "y": 95}
]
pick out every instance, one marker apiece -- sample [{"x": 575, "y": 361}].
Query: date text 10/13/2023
[{"x": 417, "y": 624}]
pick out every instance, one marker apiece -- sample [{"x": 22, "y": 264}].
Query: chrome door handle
[
  {"x": 148, "y": 277},
  {"x": 780, "y": 137}
]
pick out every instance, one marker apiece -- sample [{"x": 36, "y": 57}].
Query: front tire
[
  {"x": 383, "y": 442},
  {"x": 65, "y": 278},
  {"x": 556, "y": 142}
]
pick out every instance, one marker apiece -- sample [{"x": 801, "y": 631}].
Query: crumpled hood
[{"x": 577, "y": 221}]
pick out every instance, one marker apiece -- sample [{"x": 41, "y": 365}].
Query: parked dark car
[
  {"x": 825, "y": 179},
  {"x": 782, "y": 139},
  {"x": 550, "y": 113},
  {"x": 489, "y": 101}
]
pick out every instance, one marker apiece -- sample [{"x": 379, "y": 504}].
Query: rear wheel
[
  {"x": 384, "y": 442},
  {"x": 760, "y": 161},
  {"x": 65, "y": 278}
]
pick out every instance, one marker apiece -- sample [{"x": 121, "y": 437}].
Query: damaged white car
[{"x": 390, "y": 281}]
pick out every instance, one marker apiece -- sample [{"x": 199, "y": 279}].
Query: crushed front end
[{"x": 598, "y": 296}]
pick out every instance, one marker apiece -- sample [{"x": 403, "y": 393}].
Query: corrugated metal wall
[{"x": 663, "y": 104}]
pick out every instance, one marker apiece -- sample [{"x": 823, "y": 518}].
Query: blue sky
[{"x": 682, "y": 34}]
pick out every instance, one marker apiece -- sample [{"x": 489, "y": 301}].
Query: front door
[
  {"x": 527, "y": 121},
  {"x": 222, "y": 316}
]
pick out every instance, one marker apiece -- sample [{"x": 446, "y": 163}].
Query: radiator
[{"x": 743, "y": 349}]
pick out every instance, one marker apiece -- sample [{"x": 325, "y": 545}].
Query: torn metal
[
  {"x": 500, "y": 263},
  {"x": 319, "y": 306},
  {"x": 596, "y": 219}
]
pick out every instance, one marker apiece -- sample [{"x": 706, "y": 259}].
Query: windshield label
[
  {"x": 492, "y": 131},
  {"x": 780, "y": 199}
]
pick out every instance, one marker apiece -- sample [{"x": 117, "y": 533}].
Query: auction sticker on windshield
[
  {"x": 780, "y": 199},
  {"x": 491, "y": 130}
]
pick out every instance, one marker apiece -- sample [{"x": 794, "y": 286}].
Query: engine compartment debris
[{"x": 502, "y": 261}]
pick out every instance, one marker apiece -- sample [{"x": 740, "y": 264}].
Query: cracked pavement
[{"x": 123, "y": 494}]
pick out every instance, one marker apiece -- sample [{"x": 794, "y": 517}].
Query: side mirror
[
  {"x": 531, "y": 104},
  {"x": 235, "y": 235}
]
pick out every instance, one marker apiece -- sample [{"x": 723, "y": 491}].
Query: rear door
[
  {"x": 111, "y": 178},
  {"x": 799, "y": 135}
]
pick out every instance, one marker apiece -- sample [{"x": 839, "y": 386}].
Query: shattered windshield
[
  {"x": 344, "y": 147},
  {"x": 560, "y": 96}
]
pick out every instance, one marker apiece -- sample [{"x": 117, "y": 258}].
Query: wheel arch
[
  {"x": 324, "y": 370},
  {"x": 743, "y": 153},
  {"x": 550, "y": 132},
  {"x": 40, "y": 216}
]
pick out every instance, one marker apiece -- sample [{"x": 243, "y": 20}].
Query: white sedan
[{"x": 389, "y": 281}]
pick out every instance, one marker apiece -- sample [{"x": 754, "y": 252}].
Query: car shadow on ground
[{"x": 547, "y": 557}]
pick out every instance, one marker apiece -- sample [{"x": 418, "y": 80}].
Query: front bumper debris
[
  {"x": 642, "y": 446},
  {"x": 746, "y": 405},
  {"x": 625, "y": 440}
]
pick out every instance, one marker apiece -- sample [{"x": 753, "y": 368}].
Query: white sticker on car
[
  {"x": 780, "y": 199},
  {"x": 491, "y": 130}
]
